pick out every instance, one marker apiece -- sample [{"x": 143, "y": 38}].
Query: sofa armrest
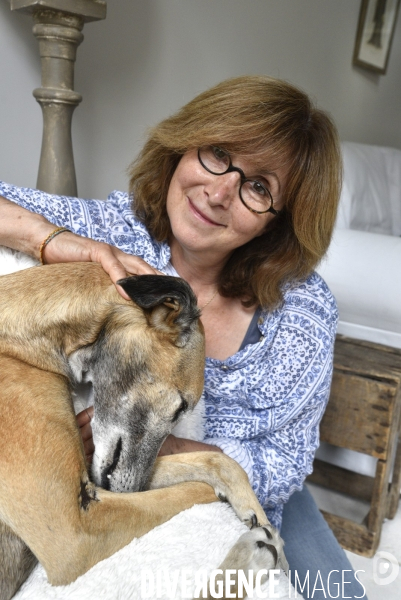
[
  {"x": 371, "y": 192},
  {"x": 363, "y": 270}
]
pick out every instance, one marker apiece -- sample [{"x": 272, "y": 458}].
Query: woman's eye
[
  {"x": 219, "y": 153},
  {"x": 259, "y": 188},
  {"x": 181, "y": 409}
]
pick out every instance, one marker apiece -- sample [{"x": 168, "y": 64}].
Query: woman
[{"x": 237, "y": 193}]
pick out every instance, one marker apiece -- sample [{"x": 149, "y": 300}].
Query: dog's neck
[{"x": 74, "y": 315}]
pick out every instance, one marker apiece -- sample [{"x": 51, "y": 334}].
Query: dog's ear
[{"x": 168, "y": 302}]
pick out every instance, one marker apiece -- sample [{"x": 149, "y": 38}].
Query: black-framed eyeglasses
[{"x": 254, "y": 195}]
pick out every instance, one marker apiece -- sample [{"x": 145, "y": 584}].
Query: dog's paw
[
  {"x": 259, "y": 548},
  {"x": 255, "y": 554},
  {"x": 265, "y": 549}
]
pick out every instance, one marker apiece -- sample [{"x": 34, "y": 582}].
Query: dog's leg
[
  {"x": 224, "y": 474},
  {"x": 45, "y": 493},
  {"x": 107, "y": 523},
  {"x": 16, "y": 562}
]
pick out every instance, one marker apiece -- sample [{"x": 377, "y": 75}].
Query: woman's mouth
[{"x": 201, "y": 216}]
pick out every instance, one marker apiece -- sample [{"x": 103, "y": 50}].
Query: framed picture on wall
[{"x": 377, "y": 19}]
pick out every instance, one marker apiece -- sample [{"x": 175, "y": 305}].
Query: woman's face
[{"x": 205, "y": 210}]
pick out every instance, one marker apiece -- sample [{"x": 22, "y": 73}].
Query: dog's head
[{"x": 146, "y": 367}]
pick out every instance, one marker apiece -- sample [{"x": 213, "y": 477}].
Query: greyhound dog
[{"x": 145, "y": 357}]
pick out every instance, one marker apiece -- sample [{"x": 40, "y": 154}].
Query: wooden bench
[{"x": 363, "y": 414}]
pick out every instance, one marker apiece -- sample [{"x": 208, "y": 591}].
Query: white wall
[{"x": 150, "y": 56}]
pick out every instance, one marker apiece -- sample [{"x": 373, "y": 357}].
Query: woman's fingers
[
  {"x": 86, "y": 432},
  {"x": 119, "y": 265},
  {"x": 85, "y": 416},
  {"x": 83, "y": 421}
]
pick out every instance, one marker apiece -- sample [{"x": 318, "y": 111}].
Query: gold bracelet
[{"x": 48, "y": 239}]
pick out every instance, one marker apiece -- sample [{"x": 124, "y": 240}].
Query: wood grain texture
[{"x": 363, "y": 414}]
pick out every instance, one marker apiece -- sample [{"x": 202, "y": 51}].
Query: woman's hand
[
  {"x": 25, "y": 231},
  {"x": 83, "y": 421},
  {"x": 176, "y": 445},
  {"x": 69, "y": 247}
]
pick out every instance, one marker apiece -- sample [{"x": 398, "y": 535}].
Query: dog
[{"x": 145, "y": 358}]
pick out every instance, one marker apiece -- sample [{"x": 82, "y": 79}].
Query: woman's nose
[{"x": 223, "y": 188}]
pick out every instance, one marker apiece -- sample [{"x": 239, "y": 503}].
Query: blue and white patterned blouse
[{"x": 264, "y": 403}]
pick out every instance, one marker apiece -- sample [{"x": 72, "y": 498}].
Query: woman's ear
[{"x": 168, "y": 302}]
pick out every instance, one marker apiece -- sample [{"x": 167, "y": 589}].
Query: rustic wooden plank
[
  {"x": 395, "y": 486},
  {"x": 378, "y": 506},
  {"x": 359, "y": 414},
  {"x": 353, "y": 536},
  {"x": 343, "y": 340},
  {"x": 376, "y": 360},
  {"x": 342, "y": 480},
  {"x": 382, "y": 489}
]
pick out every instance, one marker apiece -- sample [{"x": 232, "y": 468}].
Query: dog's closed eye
[{"x": 183, "y": 407}]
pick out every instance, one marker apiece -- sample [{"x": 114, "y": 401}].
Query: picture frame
[{"x": 377, "y": 19}]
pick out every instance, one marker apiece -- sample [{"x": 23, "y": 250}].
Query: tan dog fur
[{"x": 48, "y": 315}]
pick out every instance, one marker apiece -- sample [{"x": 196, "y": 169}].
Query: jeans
[{"x": 311, "y": 549}]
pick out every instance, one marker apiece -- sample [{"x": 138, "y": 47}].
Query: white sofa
[{"x": 363, "y": 265}]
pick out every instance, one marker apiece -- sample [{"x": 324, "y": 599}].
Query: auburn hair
[{"x": 271, "y": 123}]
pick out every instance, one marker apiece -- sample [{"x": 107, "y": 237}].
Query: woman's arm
[
  {"x": 176, "y": 445},
  {"x": 21, "y": 229},
  {"x": 31, "y": 216},
  {"x": 278, "y": 462}
]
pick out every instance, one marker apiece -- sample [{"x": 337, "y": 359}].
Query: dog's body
[{"x": 145, "y": 359}]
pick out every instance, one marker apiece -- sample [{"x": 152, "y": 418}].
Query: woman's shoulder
[
  {"x": 308, "y": 300},
  {"x": 310, "y": 291}
]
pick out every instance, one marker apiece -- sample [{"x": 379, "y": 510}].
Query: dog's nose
[{"x": 108, "y": 471}]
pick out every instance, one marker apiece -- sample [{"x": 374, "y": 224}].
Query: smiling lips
[{"x": 199, "y": 215}]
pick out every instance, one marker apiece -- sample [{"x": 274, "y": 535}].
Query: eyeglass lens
[{"x": 253, "y": 193}]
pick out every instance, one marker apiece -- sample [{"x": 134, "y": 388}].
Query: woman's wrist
[
  {"x": 57, "y": 231},
  {"x": 177, "y": 445},
  {"x": 21, "y": 229}
]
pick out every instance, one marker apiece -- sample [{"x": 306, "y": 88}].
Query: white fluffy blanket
[
  {"x": 170, "y": 557},
  {"x": 196, "y": 540}
]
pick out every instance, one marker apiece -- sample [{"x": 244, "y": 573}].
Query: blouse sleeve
[
  {"x": 84, "y": 217},
  {"x": 111, "y": 221},
  {"x": 267, "y": 413}
]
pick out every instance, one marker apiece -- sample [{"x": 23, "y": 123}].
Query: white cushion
[
  {"x": 363, "y": 270},
  {"x": 371, "y": 194}
]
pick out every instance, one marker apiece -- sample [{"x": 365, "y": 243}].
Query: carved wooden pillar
[
  {"x": 59, "y": 36},
  {"x": 57, "y": 26}
]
